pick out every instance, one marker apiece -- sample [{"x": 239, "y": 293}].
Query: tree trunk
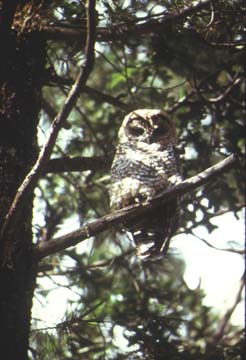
[{"x": 22, "y": 63}]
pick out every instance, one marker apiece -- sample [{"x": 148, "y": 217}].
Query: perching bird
[{"x": 146, "y": 163}]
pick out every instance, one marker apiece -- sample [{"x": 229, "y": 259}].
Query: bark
[
  {"x": 22, "y": 65},
  {"x": 31, "y": 179},
  {"x": 20, "y": 94}
]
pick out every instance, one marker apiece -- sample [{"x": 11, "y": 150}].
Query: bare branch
[
  {"x": 79, "y": 163},
  {"x": 95, "y": 227},
  {"x": 236, "y": 80},
  {"x": 231, "y": 250},
  {"x": 31, "y": 179}
]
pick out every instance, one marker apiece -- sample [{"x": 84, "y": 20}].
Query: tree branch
[
  {"x": 31, "y": 179},
  {"x": 104, "y": 97},
  {"x": 57, "y": 80},
  {"x": 78, "y": 163},
  {"x": 122, "y": 31},
  {"x": 130, "y": 212}
]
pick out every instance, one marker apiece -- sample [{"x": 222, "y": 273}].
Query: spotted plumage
[{"x": 146, "y": 163}]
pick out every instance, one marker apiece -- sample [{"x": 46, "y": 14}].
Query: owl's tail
[
  {"x": 152, "y": 235},
  {"x": 150, "y": 245}
]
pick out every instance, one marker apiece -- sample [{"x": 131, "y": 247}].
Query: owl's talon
[{"x": 140, "y": 199}]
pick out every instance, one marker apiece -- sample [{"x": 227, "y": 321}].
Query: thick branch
[
  {"x": 78, "y": 163},
  {"x": 95, "y": 227},
  {"x": 122, "y": 31},
  {"x": 31, "y": 179}
]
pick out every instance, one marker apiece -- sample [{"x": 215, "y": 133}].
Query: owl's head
[{"x": 148, "y": 127}]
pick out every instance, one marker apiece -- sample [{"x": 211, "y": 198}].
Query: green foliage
[{"x": 194, "y": 69}]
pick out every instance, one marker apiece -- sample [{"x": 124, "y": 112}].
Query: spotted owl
[{"x": 146, "y": 162}]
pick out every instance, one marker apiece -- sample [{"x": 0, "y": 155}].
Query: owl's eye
[
  {"x": 136, "y": 131},
  {"x": 160, "y": 131}
]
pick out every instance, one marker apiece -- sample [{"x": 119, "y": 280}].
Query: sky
[{"x": 218, "y": 272}]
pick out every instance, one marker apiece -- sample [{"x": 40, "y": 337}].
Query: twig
[
  {"x": 241, "y": 252},
  {"x": 236, "y": 80},
  {"x": 104, "y": 97},
  {"x": 31, "y": 179},
  {"x": 218, "y": 336},
  {"x": 212, "y": 15},
  {"x": 95, "y": 227}
]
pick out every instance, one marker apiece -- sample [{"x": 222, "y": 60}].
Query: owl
[{"x": 146, "y": 162}]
